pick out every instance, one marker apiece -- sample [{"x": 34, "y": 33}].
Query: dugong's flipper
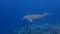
[{"x": 30, "y": 20}]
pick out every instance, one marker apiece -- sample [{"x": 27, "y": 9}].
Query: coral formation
[{"x": 41, "y": 29}]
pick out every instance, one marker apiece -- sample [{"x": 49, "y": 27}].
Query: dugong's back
[{"x": 33, "y": 16}]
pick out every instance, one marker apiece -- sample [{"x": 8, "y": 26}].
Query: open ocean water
[{"x": 13, "y": 11}]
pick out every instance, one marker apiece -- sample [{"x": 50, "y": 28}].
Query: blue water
[{"x": 12, "y": 11}]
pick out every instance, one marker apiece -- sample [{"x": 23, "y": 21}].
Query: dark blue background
[{"x": 12, "y": 11}]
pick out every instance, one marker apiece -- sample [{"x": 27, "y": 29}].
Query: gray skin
[{"x": 35, "y": 16}]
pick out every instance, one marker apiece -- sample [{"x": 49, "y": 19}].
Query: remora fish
[{"x": 35, "y": 16}]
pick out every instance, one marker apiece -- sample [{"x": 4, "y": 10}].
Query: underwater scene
[{"x": 29, "y": 16}]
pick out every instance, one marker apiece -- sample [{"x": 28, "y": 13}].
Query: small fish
[{"x": 35, "y": 16}]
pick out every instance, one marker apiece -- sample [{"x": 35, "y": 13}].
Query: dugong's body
[{"x": 34, "y": 16}]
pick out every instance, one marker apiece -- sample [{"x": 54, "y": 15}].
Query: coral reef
[{"x": 41, "y": 29}]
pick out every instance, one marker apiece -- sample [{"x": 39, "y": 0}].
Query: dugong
[{"x": 34, "y": 16}]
